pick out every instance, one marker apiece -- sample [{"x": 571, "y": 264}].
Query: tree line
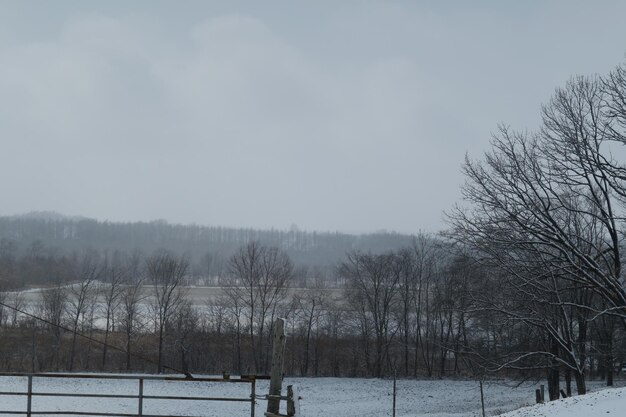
[
  {"x": 544, "y": 217},
  {"x": 419, "y": 311},
  {"x": 209, "y": 248},
  {"x": 138, "y": 313}
]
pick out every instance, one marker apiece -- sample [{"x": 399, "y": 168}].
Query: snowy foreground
[
  {"x": 320, "y": 397},
  {"x": 611, "y": 402}
]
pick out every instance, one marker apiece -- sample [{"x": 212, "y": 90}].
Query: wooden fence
[
  {"x": 139, "y": 396},
  {"x": 273, "y": 398}
]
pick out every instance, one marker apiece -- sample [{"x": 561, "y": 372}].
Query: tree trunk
[
  {"x": 73, "y": 350},
  {"x": 609, "y": 362},
  {"x": 553, "y": 373},
  {"x": 306, "y": 349},
  {"x": 128, "y": 352},
  {"x": 160, "y": 360},
  {"x": 106, "y": 339},
  {"x": 581, "y": 387}
]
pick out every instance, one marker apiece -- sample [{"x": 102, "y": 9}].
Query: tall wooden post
[
  {"x": 140, "y": 404},
  {"x": 482, "y": 397},
  {"x": 394, "y": 392},
  {"x": 29, "y": 400},
  {"x": 538, "y": 396},
  {"x": 278, "y": 355},
  {"x": 253, "y": 396}
]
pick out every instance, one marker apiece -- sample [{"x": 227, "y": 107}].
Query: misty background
[
  {"x": 180, "y": 180},
  {"x": 351, "y": 116}
]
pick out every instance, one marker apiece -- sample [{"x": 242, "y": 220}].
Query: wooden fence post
[
  {"x": 253, "y": 396},
  {"x": 538, "y": 396},
  {"x": 482, "y": 397},
  {"x": 393, "y": 413},
  {"x": 278, "y": 355},
  {"x": 29, "y": 400},
  {"x": 140, "y": 402},
  {"x": 291, "y": 409},
  {"x": 293, "y": 401}
]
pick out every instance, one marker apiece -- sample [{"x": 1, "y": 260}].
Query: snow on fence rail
[{"x": 140, "y": 396}]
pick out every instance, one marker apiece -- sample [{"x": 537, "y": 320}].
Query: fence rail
[{"x": 140, "y": 396}]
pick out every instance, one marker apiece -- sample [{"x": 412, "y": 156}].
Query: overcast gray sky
[{"x": 339, "y": 115}]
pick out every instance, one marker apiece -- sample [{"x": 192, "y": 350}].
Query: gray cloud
[{"x": 353, "y": 117}]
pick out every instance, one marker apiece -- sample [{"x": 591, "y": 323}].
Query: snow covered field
[
  {"x": 611, "y": 402},
  {"x": 321, "y": 397},
  {"x": 441, "y": 398}
]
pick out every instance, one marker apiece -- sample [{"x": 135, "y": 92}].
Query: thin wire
[{"x": 91, "y": 339}]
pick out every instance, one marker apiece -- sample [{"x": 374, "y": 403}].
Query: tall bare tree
[
  {"x": 260, "y": 277},
  {"x": 131, "y": 298},
  {"x": 114, "y": 274},
  {"x": 308, "y": 308},
  {"x": 374, "y": 282},
  {"x": 167, "y": 273},
  {"x": 546, "y": 207},
  {"x": 53, "y": 310},
  {"x": 82, "y": 293}
]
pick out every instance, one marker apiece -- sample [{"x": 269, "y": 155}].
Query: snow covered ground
[
  {"x": 372, "y": 397},
  {"x": 341, "y": 397},
  {"x": 608, "y": 402}
]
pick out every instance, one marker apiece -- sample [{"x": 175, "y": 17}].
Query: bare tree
[
  {"x": 53, "y": 309},
  {"x": 407, "y": 291},
  {"x": 186, "y": 323},
  {"x": 308, "y": 307},
  {"x": 114, "y": 274},
  {"x": 8, "y": 249},
  {"x": 166, "y": 272},
  {"x": 234, "y": 305},
  {"x": 217, "y": 314},
  {"x": 16, "y": 300},
  {"x": 4, "y": 313},
  {"x": 131, "y": 298},
  {"x": 82, "y": 293},
  {"x": 545, "y": 208},
  {"x": 373, "y": 292},
  {"x": 260, "y": 277}
]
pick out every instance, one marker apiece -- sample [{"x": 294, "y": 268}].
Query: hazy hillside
[{"x": 73, "y": 233}]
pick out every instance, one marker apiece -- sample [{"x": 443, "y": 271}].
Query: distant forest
[{"x": 53, "y": 236}]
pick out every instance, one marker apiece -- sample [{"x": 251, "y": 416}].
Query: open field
[
  {"x": 199, "y": 296},
  {"x": 340, "y": 397},
  {"x": 610, "y": 402}
]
